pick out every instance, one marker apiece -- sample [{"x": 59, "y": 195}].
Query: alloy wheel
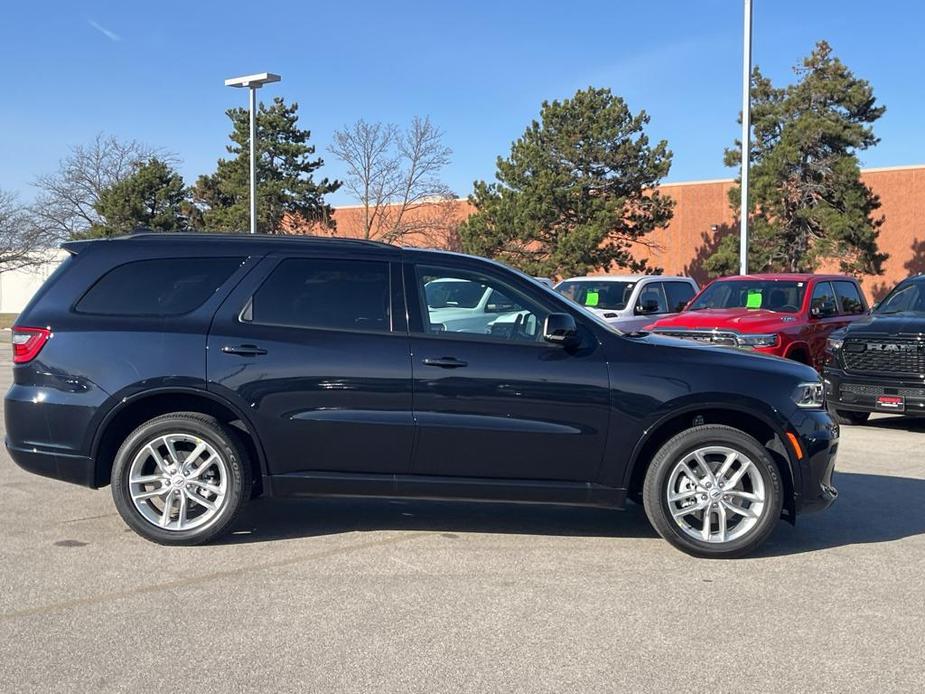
[
  {"x": 178, "y": 482},
  {"x": 716, "y": 494}
]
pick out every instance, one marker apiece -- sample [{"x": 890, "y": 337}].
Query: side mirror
[
  {"x": 560, "y": 328},
  {"x": 823, "y": 310},
  {"x": 647, "y": 307}
]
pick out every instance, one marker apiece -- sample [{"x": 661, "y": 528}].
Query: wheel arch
[
  {"x": 799, "y": 351},
  {"x": 132, "y": 411},
  {"x": 751, "y": 420}
]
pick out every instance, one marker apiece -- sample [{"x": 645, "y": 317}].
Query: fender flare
[
  {"x": 743, "y": 405},
  {"x": 130, "y": 400},
  {"x": 801, "y": 346}
]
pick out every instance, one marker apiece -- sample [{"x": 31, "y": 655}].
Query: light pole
[
  {"x": 746, "y": 136},
  {"x": 253, "y": 83}
]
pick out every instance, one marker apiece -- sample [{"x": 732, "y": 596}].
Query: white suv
[{"x": 630, "y": 302}]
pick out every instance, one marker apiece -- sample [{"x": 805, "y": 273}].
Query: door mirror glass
[
  {"x": 560, "y": 328},
  {"x": 823, "y": 309},
  {"x": 647, "y": 307}
]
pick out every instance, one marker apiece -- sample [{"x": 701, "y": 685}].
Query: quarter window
[
  {"x": 324, "y": 293},
  {"x": 483, "y": 306},
  {"x": 161, "y": 287},
  {"x": 849, "y": 297}
]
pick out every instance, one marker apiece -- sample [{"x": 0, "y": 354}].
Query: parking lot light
[{"x": 253, "y": 83}]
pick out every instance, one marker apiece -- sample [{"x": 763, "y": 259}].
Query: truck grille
[
  {"x": 712, "y": 337},
  {"x": 884, "y": 355}
]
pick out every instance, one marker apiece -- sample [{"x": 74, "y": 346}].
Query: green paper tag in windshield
[
  {"x": 592, "y": 298},
  {"x": 754, "y": 299}
]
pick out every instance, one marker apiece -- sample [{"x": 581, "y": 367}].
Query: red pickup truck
[{"x": 788, "y": 315}]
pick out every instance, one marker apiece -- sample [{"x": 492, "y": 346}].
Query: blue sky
[{"x": 153, "y": 71}]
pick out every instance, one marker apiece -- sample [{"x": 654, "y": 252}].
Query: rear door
[
  {"x": 503, "y": 403},
  {"x": 315, "y": 349}
]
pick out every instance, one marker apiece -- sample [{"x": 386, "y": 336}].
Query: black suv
[
  {"x": 878, "y": 363},
  {"x": 196, "y": 371}
]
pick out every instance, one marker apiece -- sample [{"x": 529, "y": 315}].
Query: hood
[
  {"x": 728, "y": 357},
  {"x": 745, "y": 320},
  {"x": 906, "y": 323}
]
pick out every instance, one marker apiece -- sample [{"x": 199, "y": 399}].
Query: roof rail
[{"x": 243, "y": 237}]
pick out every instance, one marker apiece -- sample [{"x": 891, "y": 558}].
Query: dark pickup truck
[{"x": 877, "y": 364}]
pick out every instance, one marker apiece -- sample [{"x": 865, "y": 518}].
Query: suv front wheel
[
  {"x": 713, "y": 491},
  {"x": 180, "y": 479}
]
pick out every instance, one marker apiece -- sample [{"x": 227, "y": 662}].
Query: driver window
[
  {"x": 652, "y": 299},
  {"x": 462, "y": 302},
  {"x": 823, "y": 294}
]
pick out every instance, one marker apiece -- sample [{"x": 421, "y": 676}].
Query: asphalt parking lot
[{"x": 391, "y": 596}]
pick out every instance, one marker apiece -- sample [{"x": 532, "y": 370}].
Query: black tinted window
[
  {"x": 822, "y": 294},
  {"x": 162, "y": 287},
  {"x": 327, "y": 294},
  {"x": 849, "y": 297},
  {"x": 679, "y": 293}
]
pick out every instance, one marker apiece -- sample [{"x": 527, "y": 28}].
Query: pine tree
[
  {"x": 578, "y": 188},
  {"x": 286, "y": 189},
  {"x": 153, "y": 196},
  {"x": 807, "y": 201}
]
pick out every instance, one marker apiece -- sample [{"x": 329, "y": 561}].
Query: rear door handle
[
  {"x": 445, "y": 362},
  {"x": 244, "y": 350}
]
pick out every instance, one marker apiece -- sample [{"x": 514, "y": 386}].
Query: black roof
[{"x": 244, "y": 239}]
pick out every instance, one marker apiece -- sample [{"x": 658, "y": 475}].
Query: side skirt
[{"x": 309, "y": 484}]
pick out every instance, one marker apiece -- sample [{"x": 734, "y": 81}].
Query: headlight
[
  {"x": 810, "y": 395},
  {"x": 834, "y": 343},
  {"x": 757, "y": 340}
]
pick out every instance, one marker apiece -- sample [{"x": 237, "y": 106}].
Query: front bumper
[
  {"x": 859, "y": 393},
  {"x": 818, "y": 436}
]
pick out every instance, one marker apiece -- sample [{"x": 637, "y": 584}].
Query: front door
[
  {"x": 492, "y": 399},
  {"x": 315, "y": 350}
]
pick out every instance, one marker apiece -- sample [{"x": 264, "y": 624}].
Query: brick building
[{"x": 702, "y": 216}]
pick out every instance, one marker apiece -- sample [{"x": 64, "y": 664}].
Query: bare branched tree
[
  {"x": 66, "y": 204},
  {"x": 395, "y": 176},
  {"x": 23, "y": 243}
]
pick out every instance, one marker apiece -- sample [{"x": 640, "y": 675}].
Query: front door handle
[
  {"x": 244, "y": 350},
  {"x": 445, "y": 362}
]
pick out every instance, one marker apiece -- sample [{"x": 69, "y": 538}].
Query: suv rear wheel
[
  {"x": 180, "y": 479},
  {"x": 713, "y": 491}
]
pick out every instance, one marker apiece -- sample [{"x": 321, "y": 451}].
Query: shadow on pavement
[
  {"x": 870, "y": 508},
  {"x": 898, "y": 423}
]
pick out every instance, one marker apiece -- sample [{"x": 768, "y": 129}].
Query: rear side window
[
  {"x": 326, "y": 294},
  {"x": 162, "y": 287},
  {"x": 849, "y": 297},
  {"x": 679, "y": 293}
]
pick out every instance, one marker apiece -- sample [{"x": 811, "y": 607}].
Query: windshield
[
  {"x": 906, "y": 298},
  {"x": 455, "y": 293},
  {"x": 603, "y": 295},
  {"x": 771, "y": 295}
]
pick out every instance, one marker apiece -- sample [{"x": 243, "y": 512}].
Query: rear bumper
[
  {"x": 818, "y": 436},
  {"x": 859, "y": 393},
  {"x": 47, "y": 430},
  {"x": 62, "y": 466}
]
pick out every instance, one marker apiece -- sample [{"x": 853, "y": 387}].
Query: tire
[
  {"x": 757, "y": 494},
  {"x": 851, "y": 417},
  {"x": 155, "y": 465}
]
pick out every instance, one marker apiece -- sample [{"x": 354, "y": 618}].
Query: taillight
[{"x": 28, "y": 342}]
